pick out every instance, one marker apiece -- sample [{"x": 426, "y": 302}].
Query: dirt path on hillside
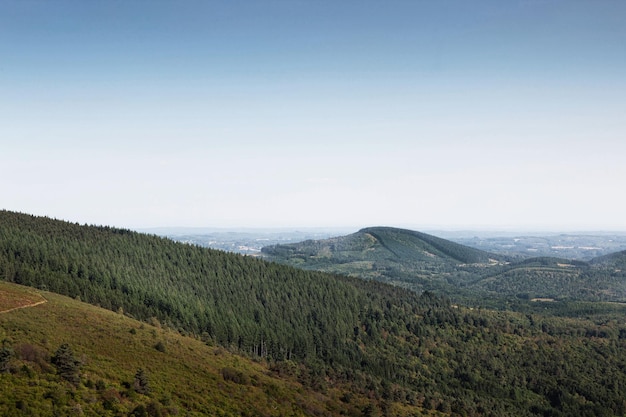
[{"x": 43, "y": 300}]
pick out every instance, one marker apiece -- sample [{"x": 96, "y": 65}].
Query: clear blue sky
[{"x": 422, "y": 114}]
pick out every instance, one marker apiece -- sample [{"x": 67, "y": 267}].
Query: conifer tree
[
  {"x": 67, "y": 365},
  {"x": 6, "y": 353}
]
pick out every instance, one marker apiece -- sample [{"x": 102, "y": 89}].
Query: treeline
[{"x": 389, "y": 344}]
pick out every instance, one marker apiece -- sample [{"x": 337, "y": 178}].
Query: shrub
[
  {"x": 141, "y": 383},
  {"x": 35, "y": 354},
  {"x": 111, "y": 398},
  {"x": 6, "y": 353},
  {"x": 67, "y": 365},
  {"x": 100, "y": 385},
  {"x": 238, "y": 377}
]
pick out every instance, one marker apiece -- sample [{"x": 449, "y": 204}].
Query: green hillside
[
  {"x": 406, "y": 243},
  {"x": 403, "y": 257},
  {"x": 419, "y": 261},
  {"x": 338, "y": 345},
  {"x": 262, "y": 308},
  {"x": 184, "y": 376},
  {"x": 558, "y": 279},
  {"x": 615, "y": 261}
]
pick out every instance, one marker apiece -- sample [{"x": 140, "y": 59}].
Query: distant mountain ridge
[
  {"x": 402, "y": 257},
  {"x": 384, "y": 242},
  {"x": 420, "y": 261}
]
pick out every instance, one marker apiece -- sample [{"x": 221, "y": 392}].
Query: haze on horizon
[{"x": 455, "y": 115}]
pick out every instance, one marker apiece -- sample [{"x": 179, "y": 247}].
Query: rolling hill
[
  {"x": 419, "y": 261},
  {"x": 614, "y": 261},
  {"x": 402, "y": 257}
]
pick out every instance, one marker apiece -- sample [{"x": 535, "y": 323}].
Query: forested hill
[
  {"x": 407, "y": 243},
  {"x": 403, "y": 257},
  {"x": 378, "y": 349},
  {"x": 265, "y": 308},
  {"x": 423, "y": 262},
  {"x": 377, "y": 243},
  {"x": 616, "y": 261}
]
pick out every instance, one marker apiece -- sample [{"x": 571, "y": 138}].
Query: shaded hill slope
[
  {"x": 407, "y": 243},
  {"x": 602, "y": 279},
  {"x": 256, "y": 306},
  {"x": 615, "y": 261}
]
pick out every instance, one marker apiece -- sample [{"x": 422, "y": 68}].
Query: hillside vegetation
[
  {"x": 263, "y": 308},
  {"x": 359, "y": 348},
  {"x": 402, "y": 257},
  {"x": 420, "y": 262},
  {"x": 614, "y": 261},
  {"x": 182, "y": 376}
]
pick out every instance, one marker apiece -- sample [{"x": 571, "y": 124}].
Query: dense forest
[{"x": 336, "y": 332}]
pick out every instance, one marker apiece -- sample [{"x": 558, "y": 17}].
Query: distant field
[{"x": 13, "y": 297}]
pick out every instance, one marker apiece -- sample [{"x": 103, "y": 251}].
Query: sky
[{"x": 486, "y": 115}]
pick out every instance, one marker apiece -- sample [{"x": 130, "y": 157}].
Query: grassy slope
[
  {"x": 186, "y": 379},
  {"x": 16, "y": 299}
]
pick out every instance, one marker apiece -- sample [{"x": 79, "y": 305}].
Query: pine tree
[
  {"x": 67, "y": 365},
  {"x": 6, "y": 353}
]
